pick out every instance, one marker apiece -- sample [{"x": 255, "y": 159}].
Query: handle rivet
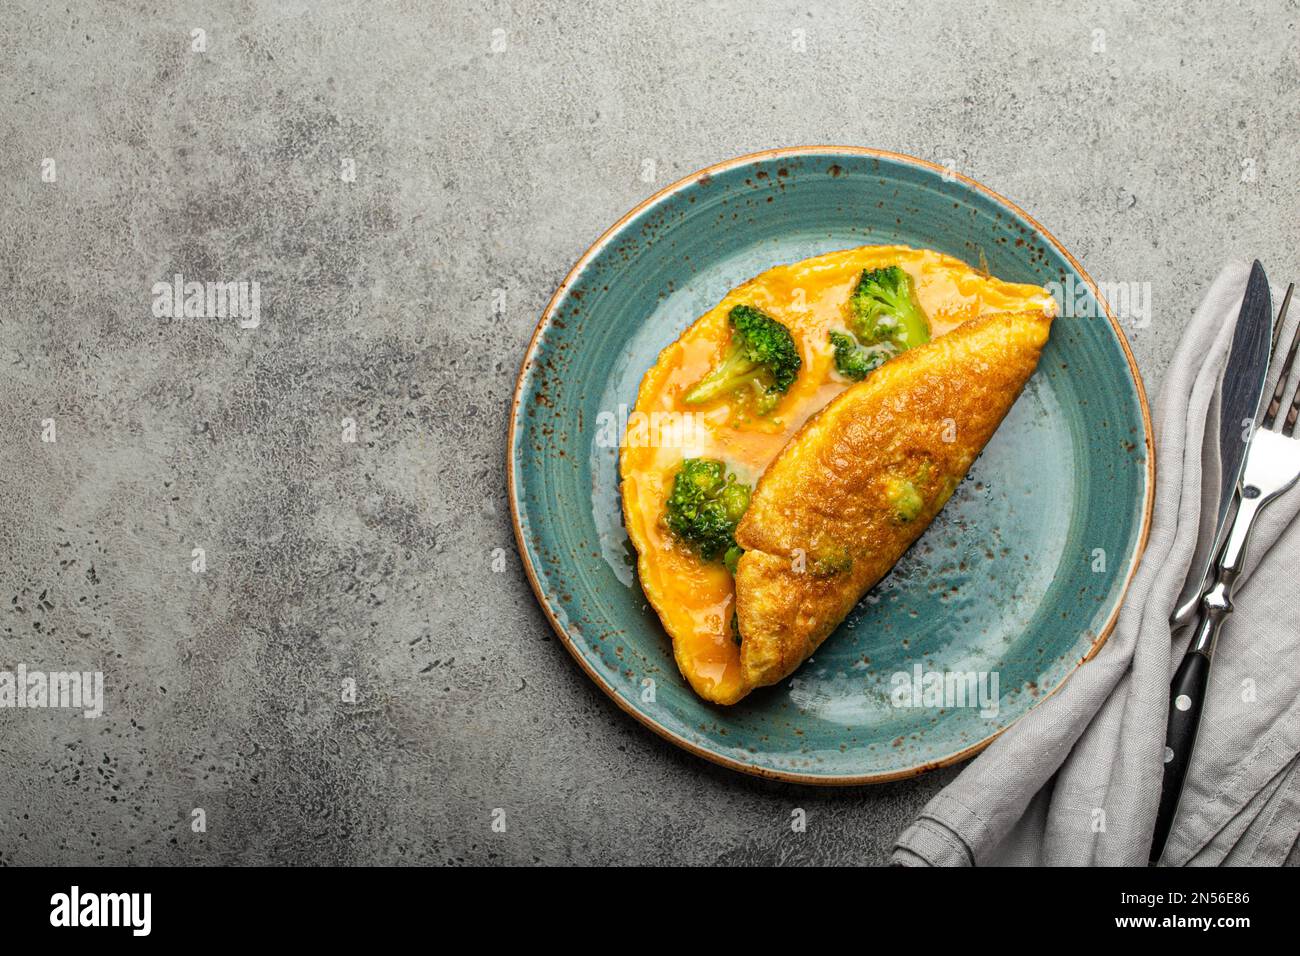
[
  {"x": 1169, "y": 754},
  {"x": 1183, "y": 702}
]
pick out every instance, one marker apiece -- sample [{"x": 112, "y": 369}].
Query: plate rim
[{"x": 794, "y": 776}]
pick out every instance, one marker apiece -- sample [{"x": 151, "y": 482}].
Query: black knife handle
[{"x": 1186, "y": 698}]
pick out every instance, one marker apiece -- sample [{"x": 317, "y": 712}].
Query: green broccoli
[
  {"x": 856, "y": 361},
  {"x": 762, "y": 357},
  {"x": 884, "y": 310},
  {"x": 705, "y": 506}
]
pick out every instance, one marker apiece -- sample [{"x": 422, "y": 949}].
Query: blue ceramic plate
[{"x": 1021, "y": 575}]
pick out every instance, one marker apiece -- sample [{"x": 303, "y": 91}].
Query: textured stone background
[{"x": 476, "y": 170}]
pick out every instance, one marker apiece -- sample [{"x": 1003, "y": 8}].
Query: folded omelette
[{"x": 824, "y": 412}]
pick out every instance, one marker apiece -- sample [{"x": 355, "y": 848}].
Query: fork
[{"x": 1272, "y": 466}]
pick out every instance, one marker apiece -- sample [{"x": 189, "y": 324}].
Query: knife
[
  {"x": 1241, "y": 393},
  {"x": 1243, "y": 386}
]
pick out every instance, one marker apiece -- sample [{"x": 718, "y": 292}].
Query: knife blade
[{"x": 1239, "y": 402}]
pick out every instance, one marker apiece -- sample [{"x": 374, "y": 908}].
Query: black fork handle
[{"x": 1186, "y": 699}]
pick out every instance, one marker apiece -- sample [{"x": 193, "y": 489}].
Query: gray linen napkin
[{"x": 1077, "y": 780}]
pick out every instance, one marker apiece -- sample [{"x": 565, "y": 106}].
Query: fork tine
[
  {"x": 1275, "y": 405},
  {"x": 1281, "y": 318}
]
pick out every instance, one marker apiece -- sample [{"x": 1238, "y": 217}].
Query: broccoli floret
[
  {"x": 905, "y": 498},
  {"x": 856, "y": 361},
  {"x": 884, "y": 310},
  {"x": 705, "y": 506},
  {"x": 762, "y": 358}
]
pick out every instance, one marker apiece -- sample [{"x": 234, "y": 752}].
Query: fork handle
[
  {"x": 1187, "y": 690},
  {"x": 1186, "y": 698}
]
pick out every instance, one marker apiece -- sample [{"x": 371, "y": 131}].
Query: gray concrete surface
[{"x": 1154, "y": 149}]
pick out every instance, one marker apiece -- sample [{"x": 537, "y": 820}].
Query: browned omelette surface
[
  {"x": 862, "y": 480},
  {"x": 695, "y": 599}
]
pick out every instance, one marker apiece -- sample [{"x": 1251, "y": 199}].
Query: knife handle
[{"x": 1186, "y": 698}]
